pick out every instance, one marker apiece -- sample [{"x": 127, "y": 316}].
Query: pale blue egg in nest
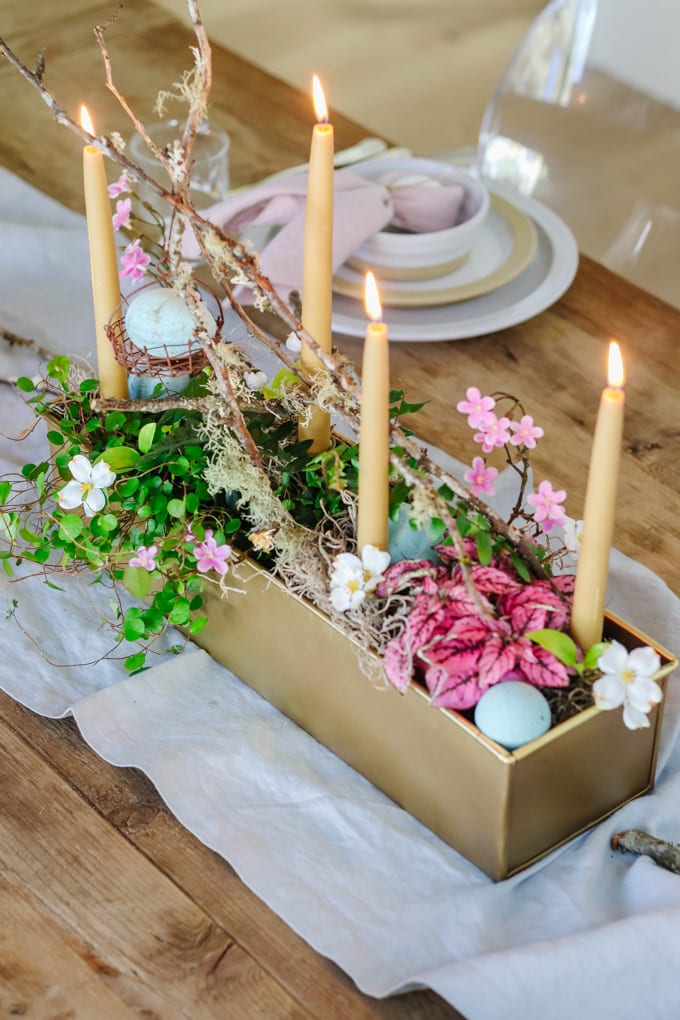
[{"x": 158, "y": 321}]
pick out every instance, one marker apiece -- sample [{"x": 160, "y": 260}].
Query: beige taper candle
[
  {"x": 374, "y": 438},
  {"x": 317, "y": 277},
  {"x": 587, "y": 615},
  {"x": 103, "y": 266}
]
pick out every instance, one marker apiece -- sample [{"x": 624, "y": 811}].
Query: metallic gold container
[{"x": 502, "y": 810}]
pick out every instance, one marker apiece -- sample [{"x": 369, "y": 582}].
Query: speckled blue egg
[
  {"x": 407, "y": 543},
  {"x": 159, "y": 321},
  {"x": 512, "y": 713}
]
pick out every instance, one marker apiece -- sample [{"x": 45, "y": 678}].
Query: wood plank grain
[
  {"x": 41, "y": 975},
  {"x": 399, "y": 68},
  {"x": 127, "y": 799},
  {"x": 269, "y": 122},
  {"x": 154, "y": 947}
]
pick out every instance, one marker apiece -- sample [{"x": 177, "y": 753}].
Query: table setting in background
[
  {"x": 445, "y": 273},
  {"x": 363, "y": 882}
]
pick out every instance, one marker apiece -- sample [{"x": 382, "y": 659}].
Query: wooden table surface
[{"x": 110, "y": 908}]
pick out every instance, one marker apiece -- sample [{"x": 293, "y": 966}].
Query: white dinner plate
[
  {"x": 503, "y": 248},
  {"x": 545, "y": 279}
]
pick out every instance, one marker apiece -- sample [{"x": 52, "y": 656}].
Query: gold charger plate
[{"x": 507, "y": 243}]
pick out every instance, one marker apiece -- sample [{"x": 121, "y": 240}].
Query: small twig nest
[{"x": 185, "y": 357}]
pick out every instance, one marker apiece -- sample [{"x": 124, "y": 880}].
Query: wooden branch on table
[
  {"x": 14, "y": 340},
  {"x": 636, "y": 841}
]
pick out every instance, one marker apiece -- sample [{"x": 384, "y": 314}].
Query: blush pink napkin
[{"x": 362, "y": 207}]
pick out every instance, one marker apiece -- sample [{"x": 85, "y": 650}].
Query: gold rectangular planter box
[{"x": 502, "y": 810}]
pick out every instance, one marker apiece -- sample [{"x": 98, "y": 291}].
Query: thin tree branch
[
  {"x": 14, "y": 340},
  {"x": 170, "y": 403},
  {"x": 636, "y": 841}
]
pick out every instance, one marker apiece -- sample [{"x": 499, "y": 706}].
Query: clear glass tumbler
[{"x": 210, "y": 158}]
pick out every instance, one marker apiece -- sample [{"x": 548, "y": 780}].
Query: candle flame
[
  {"x": 86, "y": 120},
  {"x": 372, "y": 298},
  {"x": 616, "y": 374},
  {"x": 320, "y": 108}
]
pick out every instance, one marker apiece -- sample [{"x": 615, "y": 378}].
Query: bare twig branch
[
  {"x": 14, "y": 340},
  {"x": 169, "y": 403},
  {"x": 636, "y": 841}
]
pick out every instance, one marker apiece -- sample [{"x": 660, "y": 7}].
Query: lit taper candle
[
  {"x": 374, "y": 438},
  {"x": 317, "y": 276},
  {"x": 587, "y": 615},
  {"x": 103, "y": 264}
]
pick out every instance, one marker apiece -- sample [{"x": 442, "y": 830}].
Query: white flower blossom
[
  {"x": 255, "y": 380},
  {"x": 352, "y": 578},
  {"x": 87, "y": 487},
  {"x": 628, "y": 680},
  {"x": 572, "y": 535},
  {"x": 293, "y": 343}
]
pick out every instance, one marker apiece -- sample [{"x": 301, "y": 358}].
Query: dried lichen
[{"x": 190, "y": 89}]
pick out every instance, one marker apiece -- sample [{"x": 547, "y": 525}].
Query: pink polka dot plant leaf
[{"x": 458, "y": 651}]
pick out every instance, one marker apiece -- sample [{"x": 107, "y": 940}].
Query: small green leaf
[
  {"x": 88, "y": 385},
  {"x": 58, "y": 367},
  {"x": 176, "y": 507},
  {"x": 556, "y": 641},
  {"x": 520, "y": 566},
  {"x": 70, "y": 527},
  {"x": 135, "y": 662},
  {"x": 197, "y": 625},
  {"x": 179, "y": 467},
  {"x": 484, "y": 547},
  {"x": 119, "y": 458},
  {"x": 107, "y": 522},
  {"x": 50, "y": 584},
  {"x": 5, "y": 489},
  {"x": 28, "y": 535},
  {"x": 55, "y": 437},
  {"x": 179, "y": 614},
  {"x": 138, "y": 582},
  {"x": 284, "y": 379},
  {"x": 25, "y": 384},
  {"x": 590, "y": 659},
  {"x": 146, "y": 436},
  {"x": 128, "y": 487},
  {"x": 114, "y": 420},
  {"x": 133, "y": 628}
]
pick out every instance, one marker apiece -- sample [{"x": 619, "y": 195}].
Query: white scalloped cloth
[{"x": 585, "y": 932}]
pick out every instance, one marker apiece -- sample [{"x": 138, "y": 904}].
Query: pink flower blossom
[
  {"x": 524, "y": 432},
  {"x": 547, "y": 501},
  {"x": 476, "y": 407},
  {"x": 145, "y": 558},
  {"x": 480, "y": 477},
  {"x": 211, "y": 556},
  {"x": 134, "y": 261},
  {"x": 119, "y": 186},
  {"x": 121, "y": 217},
  {"x": 493, "y": 432},
  {"x": 189, "y": 535}
]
